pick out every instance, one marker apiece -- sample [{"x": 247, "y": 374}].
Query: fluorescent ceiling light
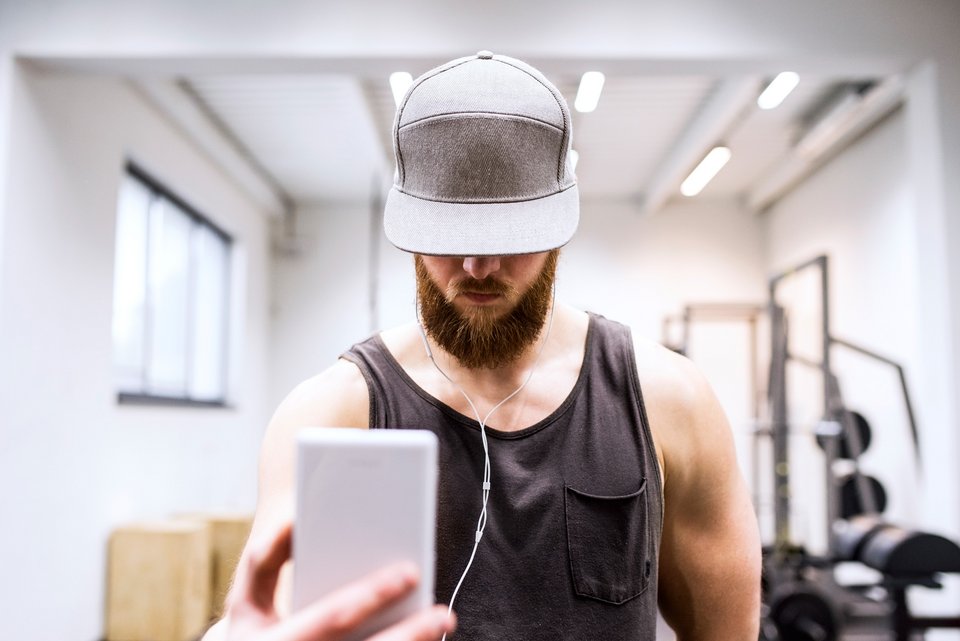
[
  {"x": 778, "y": 89},
  {"x": 574, "y": 158},
  {"x": 705, "y": 171},
  {"x": 400, "y": 81},
  {"x": 588, "y": 95}
]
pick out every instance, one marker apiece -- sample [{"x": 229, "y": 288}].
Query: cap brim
[{"x": 481, "y": 229}]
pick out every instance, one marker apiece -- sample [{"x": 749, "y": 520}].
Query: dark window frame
[{"x": 158, "y": 190}]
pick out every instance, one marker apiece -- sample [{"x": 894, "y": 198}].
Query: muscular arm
[
  {"x": 335, "y": 398},
  {"x": 709, "y": 585}
]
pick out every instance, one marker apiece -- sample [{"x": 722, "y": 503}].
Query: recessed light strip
[
  {"x": 400, "y": 81},
  {"x": 588, "y": 95},
  {"x": 778, "y": 89},
  {"x": 705, "y": 171}
]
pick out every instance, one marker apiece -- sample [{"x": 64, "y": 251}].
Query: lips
[{"x": 480, "y": 299}]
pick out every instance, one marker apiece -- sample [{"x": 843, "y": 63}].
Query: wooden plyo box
[
  {"x": 158, "y": 581},
  {"x": 228, "y": 535}
]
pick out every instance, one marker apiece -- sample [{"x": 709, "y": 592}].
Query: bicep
[
  {"x": 710, "y": 573},
  {"x": 710, "y": 547}
]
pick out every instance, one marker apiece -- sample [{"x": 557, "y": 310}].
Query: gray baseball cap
[{"x": 482, "y": 169}]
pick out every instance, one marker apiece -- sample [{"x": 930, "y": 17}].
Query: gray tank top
[{"x": 575, "y": 512}]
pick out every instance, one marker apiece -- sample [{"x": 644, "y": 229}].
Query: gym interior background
[{"x": 267, "y": 120}]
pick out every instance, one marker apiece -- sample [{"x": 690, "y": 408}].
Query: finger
[
  {"x": 426, "y": 625},
  {"x": 258, "y": 582},
  {"x": 335, "y": 615}
]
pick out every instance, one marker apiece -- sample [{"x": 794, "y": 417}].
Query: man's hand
[{"x": 253, "y": 617}]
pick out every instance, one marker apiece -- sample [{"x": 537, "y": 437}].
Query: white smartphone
[{"x": 365, "y": 498}]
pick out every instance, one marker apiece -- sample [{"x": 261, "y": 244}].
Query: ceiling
[{"x": 326, "y": 137}]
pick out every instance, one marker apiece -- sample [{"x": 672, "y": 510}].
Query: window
[{"x": 170, "y": 298}]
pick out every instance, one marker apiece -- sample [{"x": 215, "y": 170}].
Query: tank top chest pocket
[{"x": 608, "y": 541}]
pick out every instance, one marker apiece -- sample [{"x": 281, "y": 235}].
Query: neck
[{"x": 502, "y": 375}]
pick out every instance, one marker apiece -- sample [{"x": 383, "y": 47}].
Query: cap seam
[
  {"x": 403, "y": 105},
  {"x": 483, "y": 202},
  {"x": 566, "y": 134},
  {"x": 479, "y": 113}
]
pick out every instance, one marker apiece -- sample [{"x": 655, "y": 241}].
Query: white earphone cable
[{"x": 482, "y": 521}]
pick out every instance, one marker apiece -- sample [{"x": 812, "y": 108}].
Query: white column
[
  {"x": 6, "y": 91},
  {"x": 930, "y": 119}
]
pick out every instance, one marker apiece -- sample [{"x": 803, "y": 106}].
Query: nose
[{"x": 480, "y": 267}]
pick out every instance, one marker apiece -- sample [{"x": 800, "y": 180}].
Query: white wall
[
  {"x": 319, "y": 289},
  {"x": 861, "y": 210},
  {"x": 639, "y": 268},
  {"x": 937, "y": 121},
  {"x": 936, "y": 237},
  {"x": 6, "y": 84},
  {"x": 74, "y": 464}
]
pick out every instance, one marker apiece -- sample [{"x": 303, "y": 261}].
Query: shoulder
[
  {"x": 685, "y": 417},
  {"x": 668, "y": 378},
  {"x": 337, "y": 397}
]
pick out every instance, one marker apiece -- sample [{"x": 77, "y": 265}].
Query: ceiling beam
[
  {"x": 719, "y": 113},
  {"x": 830, "y": 136},
  {"x": 377, "y": 67},
  {"x": 196, "y": 123}
]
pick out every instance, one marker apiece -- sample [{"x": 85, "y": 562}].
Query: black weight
[
  {"x": 863, "y": 429},
  {"x": 850, "y": 504},
  {"x": 909, "y": 553},
  {"x": 802, "y": 612},
  {"x": 854, "y": 534}
]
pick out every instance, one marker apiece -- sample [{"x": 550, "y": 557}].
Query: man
[{"x": 602, "y": 465}]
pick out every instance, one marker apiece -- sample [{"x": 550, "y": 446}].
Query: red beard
[{"x": 483, "y": 338}]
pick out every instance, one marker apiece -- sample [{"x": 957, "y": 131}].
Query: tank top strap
[{"x": 374, "y": 363}]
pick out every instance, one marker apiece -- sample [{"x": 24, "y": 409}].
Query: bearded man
[{"x": 609, "y": 466}]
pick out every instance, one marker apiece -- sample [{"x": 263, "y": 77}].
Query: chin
[{"x": 484, "y": 312}]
